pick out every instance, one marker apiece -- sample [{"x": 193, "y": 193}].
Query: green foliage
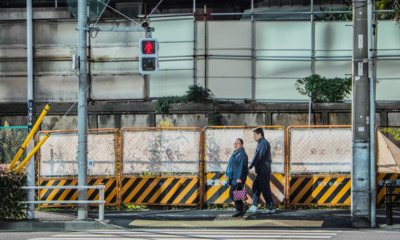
[
  {"x": 215, "y": 119},
  {"x": 198, "y": 94},
  {"x": 323, "y": 89},
  {"x": 163, "y": 104},
  {"x": 11, "y": 194},
  {"x": 335, "y": 16},
  {"x": 388, "y": 5},
  {"x": 395, "y": 133},
  {"x": 195, "y": 94},
  {"x": 11, "y": 140}
]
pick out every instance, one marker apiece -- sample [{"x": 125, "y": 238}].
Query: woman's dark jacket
[{"x": 239, "y": 163}]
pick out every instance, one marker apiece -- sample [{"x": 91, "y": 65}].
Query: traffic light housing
[{"x": 148, "y": 55}]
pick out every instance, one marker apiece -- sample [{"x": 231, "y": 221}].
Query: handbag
[{"x": 239, "y": 195}]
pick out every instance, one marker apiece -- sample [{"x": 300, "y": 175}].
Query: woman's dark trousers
[{"x": 238, "y": 204}]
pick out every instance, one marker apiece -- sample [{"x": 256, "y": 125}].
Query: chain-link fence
[
  {"x": 219, "y": 146},
  {"x": 319, "y": 150},
  {"x": 160, "y": 151},
  {"x": 58, "y": 155},
  {"x": 11, "y": 139}
]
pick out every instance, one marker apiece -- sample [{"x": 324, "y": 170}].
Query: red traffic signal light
[{"x": 148, "y": 55}]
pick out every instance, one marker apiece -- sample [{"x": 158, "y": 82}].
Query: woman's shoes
[
  {"x": 238, "y": 214},
  {"x": 244, "y": 211}
]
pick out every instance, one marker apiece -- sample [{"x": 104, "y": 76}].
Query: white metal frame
[{"x": 101, "y": 200}]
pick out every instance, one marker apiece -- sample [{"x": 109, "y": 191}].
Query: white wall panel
[
  {"x": 332, "y": 69},
  {"x": 173, "y": 55},
  {"x": 117, "y": 87},
  {"x": 293, "y": 69},
  {"x": 388, "y": 90},
  {"x": 229, "y": 34},
  {"x": 277, "y": 89},
  {"x": 229, "y": 67},
  {"x": 230, "y": 87},
  {"x": 174, "y": 29},
  {"x": 388, "y": 36},
  {"x": 13, "y": 89},
  {"x": 116, "y": 51},
  {"x": 60, "y": 89},
  {"x": 115, "y": 67},
  {"x": 388, "y": 68},
  {"x": 283, "y": 35},
  {"x": 333, "y": 36},
  {"x": 58, "y": 33}
]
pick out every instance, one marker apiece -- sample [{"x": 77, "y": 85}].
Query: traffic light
[{"x": 148, "y": 55}]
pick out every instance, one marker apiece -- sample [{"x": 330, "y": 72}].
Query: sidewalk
[{"x": 313, "y": 218}]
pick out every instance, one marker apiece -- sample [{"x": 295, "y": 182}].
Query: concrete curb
[{"x": 29, "y": 226}]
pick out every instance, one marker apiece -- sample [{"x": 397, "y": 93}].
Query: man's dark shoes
[{"x": 237, "y": 214}]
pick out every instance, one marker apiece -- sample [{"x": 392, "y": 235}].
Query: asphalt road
[{"x": 204, "y": 233}]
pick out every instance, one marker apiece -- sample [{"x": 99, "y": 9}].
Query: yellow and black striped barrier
[
  {"x": 320, "y": 190},
  {"x": 217, "y": 188},
  {"x": 160, "y": 190},
  {"x": 110, "y": 193},
  {"x": 382, "y": 179}
]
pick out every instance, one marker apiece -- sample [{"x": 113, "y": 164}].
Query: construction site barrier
[
  {"x": 319, "y": 165},
  {"x": 161, "y": 166},
  {"x": 58, "y": 166},
  {"x": 186, "y": 166},
  {"x": 387, "y": 161}
]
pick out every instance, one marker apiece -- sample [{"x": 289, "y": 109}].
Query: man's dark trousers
[{"x": 261, "y": 184}]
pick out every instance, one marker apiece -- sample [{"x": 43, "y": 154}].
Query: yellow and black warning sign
[
  {"x": 320, "y": 190},
  {"x": 177, "y": 190},
  {"x": 382, "y": 179},
  {"x": 110, "y": 193},
  {"x": 217, "y": 188}
]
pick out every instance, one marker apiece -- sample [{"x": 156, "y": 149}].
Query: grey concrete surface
[{"x": 66, "y": 220}]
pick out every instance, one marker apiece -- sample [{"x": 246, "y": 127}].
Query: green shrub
[
  {"x": 195, "y": 94},
  {"x": 323, "y": 89},
  {"x": 11, "y": 194}
]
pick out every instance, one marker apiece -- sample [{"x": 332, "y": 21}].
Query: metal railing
[
  {"x": 389, "y": 202},
  {"x": 101, "y": 200}
]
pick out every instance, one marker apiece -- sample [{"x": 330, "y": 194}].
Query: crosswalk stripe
[{"x": 182, "y": 234}]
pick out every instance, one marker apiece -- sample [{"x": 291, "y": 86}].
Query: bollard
[
  {"x": 388, "y": 204},
  {"x": 101, "y": 205}
]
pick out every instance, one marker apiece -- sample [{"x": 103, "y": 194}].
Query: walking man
[{"x": 262, "y": 163}]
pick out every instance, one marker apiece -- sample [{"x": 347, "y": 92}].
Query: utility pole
[
  {"x": 31, "y": 165},
  {"x": 82, "y": 110},
  {"x": 360, "y": 179}
]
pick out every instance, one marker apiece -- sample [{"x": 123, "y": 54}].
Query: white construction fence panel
[
  {"x": 320, "y": 150},
  {"x": 219, "y": 147},
  {"x": 160, "y": 151},
  {"x": 58, "y": 155}
]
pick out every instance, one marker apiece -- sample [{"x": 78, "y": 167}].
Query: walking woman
[{"x": 236, "y": 172}]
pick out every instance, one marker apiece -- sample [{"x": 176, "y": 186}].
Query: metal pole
[
  {"x": 372, "y": 76},
  {"x": 31, "y": 166},
  {"x": 205, "y": 49},
  {"x": 194, "y": 44},
  {"x": 253, "y": 54},
  {"x": 312, "y": 53},
  {"x": 360, "y": 182},
  {"x": 82, "y": 110}
]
